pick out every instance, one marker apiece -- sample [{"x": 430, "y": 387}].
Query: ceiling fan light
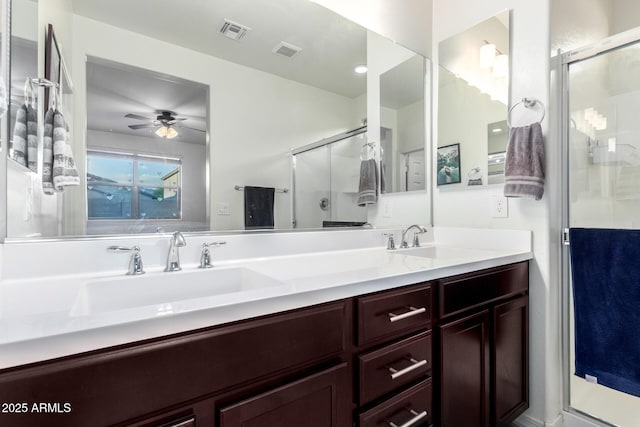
[
  {"x": 162, "y": 131},
  {"x": 171, "y": 133}
]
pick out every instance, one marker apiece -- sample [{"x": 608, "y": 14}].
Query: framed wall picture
[
  {"x": 52, "y": 63},
  {"x": 449, "y": 164}
]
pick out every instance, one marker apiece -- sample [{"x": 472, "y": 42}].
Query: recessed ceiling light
[
  {"x": 360, "y": 69},
  {"x": 496, "y": 130}
]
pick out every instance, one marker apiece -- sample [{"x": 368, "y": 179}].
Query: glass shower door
[{"x": 603, "y": 185}]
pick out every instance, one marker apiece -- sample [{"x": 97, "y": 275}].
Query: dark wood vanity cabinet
[
  {"x": 482, "y": 336},
  {"x": 451, "y": 353}
]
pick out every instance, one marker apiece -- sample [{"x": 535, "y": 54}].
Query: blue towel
[{"x": 606, "y": 295}]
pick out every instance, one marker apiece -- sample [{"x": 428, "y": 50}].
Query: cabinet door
[
  {"x": 320, "y": 400},
  {"x": 464, "y": 360},
  {"x": 511, "y": 369}
]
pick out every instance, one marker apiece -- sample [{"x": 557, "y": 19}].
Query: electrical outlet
[
  {"x": 387, "y": 210},
  {"x": 499, "y": 207}
]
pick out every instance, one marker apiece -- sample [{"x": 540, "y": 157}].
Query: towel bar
[{"x": 278, "y": 190}]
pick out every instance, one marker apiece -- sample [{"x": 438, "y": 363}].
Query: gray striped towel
[
  {"x": 47, "y": 153},
  {"x": 32, "y": 139},
  {"x": 368, "y": 186},
  {"x": 19, "y": 142},
  {"x": 524, "y": 163},
  {"x": 64, "y": 167}
]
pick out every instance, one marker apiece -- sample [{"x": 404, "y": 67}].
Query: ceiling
[
  {"x": 114, "y": 90},
  {"x": 331, "y": 45},
  {"x": 403, "y": 85}
]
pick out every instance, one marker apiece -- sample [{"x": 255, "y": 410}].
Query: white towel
[
  {"x": 368, "y": 188},
  {"x": 19, "y": 141}
]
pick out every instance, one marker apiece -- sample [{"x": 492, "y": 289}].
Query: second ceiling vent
[{"x": 286, "y": 49}]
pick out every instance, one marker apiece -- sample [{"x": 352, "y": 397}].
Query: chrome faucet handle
[
  {"x": 173, "y": 257},
  {"x": 420, "y": 228},
  {"x": 135, "y": 263},
  {"x": 205, "y": 256},
  {"x": 416, "y": 238},
  {"x": 391, "y": 243}
]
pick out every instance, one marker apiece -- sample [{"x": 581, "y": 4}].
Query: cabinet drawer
[
  {"x": 384, "y": 370},
  {"x": 412, "y": 404},
  {"x": 466, "y": 291},
  {"x": 391, "y": 313},
  {"x": 319, "y": 400}
]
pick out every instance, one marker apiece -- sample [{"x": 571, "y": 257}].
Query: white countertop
[{"x": 40, "y": 318}]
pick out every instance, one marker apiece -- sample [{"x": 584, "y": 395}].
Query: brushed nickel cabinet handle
[
  {"x": 412, "y": 312},
  {"x": 188, "y": 422},
  {"x": 417, "y": 417},
  {"x": 398, "y": 373}
]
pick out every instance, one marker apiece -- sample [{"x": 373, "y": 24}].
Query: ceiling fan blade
[
  {"x": 137, "y": 117},
  {"x": 188, "y": 127},
  {"x": 135, "y": 127},
  {"x": 175, "y": 120}
]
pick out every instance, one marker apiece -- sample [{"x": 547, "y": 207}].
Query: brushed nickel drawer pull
[
  {"x": 188, "y": 422},
  {"x": 412, "y": 312},
  {"x": 417, "y": 417},
  {"x": 416, "y": 364}
]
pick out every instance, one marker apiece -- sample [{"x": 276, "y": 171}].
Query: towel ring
[
  {"x": 528, "y": 103},
  {"x": 367, "y": 151}
]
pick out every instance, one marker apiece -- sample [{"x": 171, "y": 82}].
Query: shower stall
[
  {"x": 326, "y": 176},
  {"x": 600, "y": 87}
]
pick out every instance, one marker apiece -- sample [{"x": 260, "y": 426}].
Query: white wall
[
  {"x": 249, "y": 138},
  {"x": 530, "y": 78}
]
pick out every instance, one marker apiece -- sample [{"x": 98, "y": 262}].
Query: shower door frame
[
  {"x": 601, "y": 47},
  {"x": 314, "y": 145}
]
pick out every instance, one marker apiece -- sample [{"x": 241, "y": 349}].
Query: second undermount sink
[
  {"x": 442, "y": 252},
  {"x": 165, "y": 293}
]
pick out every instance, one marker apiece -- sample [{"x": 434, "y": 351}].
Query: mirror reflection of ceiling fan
[{"x": 166, "y": 122}]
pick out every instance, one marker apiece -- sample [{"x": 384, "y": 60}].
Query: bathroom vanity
[{"x": 450, "y": 351}]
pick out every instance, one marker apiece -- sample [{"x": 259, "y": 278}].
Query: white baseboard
[{"x": 527, "y": 421}]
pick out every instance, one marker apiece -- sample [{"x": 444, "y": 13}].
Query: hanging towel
[
  {"x": 64, "y": 167},
  {"x": 19, "y": 143},
  {"x": 258, "y": 207},
  {"x": 606, "y": 295},
  {"x": 32, "y": 139},
  {"x": 3, "y": 97},
  {"x": 368, "y": 188},
  {"x": 524, "y": 163},
  {"x": 47, "y": 153}
]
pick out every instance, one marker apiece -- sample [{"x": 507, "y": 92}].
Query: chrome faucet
[
  {"x": 416, "y": 239},
  {"x": 135, "y": 263},
  {"x": 173, "y": 257},
  {"x": 205, "y": 255}
]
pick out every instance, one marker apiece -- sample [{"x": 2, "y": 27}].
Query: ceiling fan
[{"x": 166, "y": 122}]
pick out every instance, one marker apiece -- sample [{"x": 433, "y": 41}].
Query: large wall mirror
[
  {"x": 175, "y": 111},
  {"x": 473, "y": 93}
]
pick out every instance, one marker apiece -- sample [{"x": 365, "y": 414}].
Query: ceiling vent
[
  {"x": 286, "y": 49},
  {"x": 233, "y": 30}
]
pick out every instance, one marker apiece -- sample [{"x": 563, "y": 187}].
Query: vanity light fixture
[
  {"x": 360, "y": 69},
  {"x": 487, "y": 55},
  {"x": 501, "y": 66}
]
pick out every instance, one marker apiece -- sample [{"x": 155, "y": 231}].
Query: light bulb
[
  {"x": 171, "y": 133},
  {"x": 360, "y": 69},
  {"x": 501, "y": 66},
  {"x": 487, "y": 55},
  {"x": 162, "y": 131}
]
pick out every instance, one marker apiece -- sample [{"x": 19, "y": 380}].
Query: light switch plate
[{"x": 223, "y": 209}]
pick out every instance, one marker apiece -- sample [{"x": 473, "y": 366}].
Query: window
[{"x": 133, "y": 186}]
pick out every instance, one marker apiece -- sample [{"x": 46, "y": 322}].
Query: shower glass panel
[
  {"x": 326, "y": 182},
  {"x": 604, "y": 186}
]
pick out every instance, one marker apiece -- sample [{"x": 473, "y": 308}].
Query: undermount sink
[
  {"x": 165, "y": 293},
  {"x": 442, "y": 252}
]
